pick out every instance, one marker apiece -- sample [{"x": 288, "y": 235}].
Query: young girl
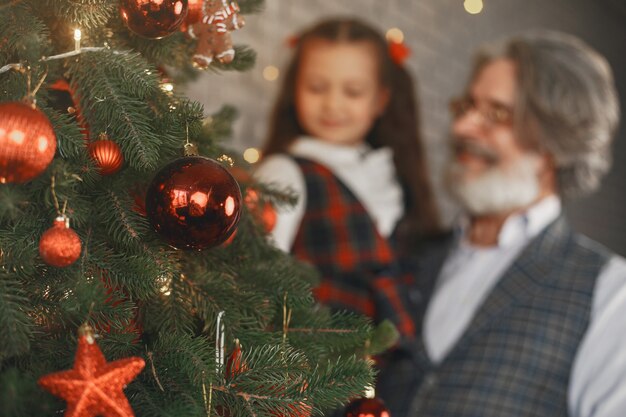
[{"x": 344, "y": 137}]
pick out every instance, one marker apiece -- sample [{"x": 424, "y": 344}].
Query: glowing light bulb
[
  {"x": 473, "y": 6},
  {"x": 394, "y": 35},
  {"x": 251, "y": 155},
  {"x": 77, "y": 37},
  {"x": 229, "y": 206},
  {"x": 271, "y": 73}
]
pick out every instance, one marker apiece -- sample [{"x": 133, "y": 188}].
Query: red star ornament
[{"x": 94, "y": 387}]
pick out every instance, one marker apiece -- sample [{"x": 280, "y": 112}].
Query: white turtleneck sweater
[{"x": 368, "y": 173}]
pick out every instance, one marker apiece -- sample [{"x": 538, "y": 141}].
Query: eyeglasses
[{"x": 493, "y": 113}]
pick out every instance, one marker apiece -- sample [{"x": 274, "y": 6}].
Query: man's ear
[
  {"x": 382, "y": 100},
  {"x": 548, "y": 172}
]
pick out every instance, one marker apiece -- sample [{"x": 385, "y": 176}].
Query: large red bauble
[
  {"x": 194, "y": 203},
  {"x": 367, "y": 407},
  {"x": 108, "y": 156},
  {"x": 153, "y": 19},
  {"x": 59, "y": 246},
  {"x": 27, "y": 142}
]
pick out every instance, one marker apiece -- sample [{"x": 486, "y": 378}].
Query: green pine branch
[
  {"x": 16, "y": 326},
  {"x": 144, "y": 297},
  {"x": 112, "y": 90},
  {"x": 87, "y": 14},
  {"x": 23, "y": 36}
]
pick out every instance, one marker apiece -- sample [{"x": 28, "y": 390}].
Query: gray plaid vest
[{"x": 516, "y": 356}]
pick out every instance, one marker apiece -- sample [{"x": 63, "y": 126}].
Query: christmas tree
[{"x": 128, "y": 266}]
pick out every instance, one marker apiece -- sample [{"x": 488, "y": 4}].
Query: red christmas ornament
[
  {"x": 107, "y": 154},
  {"x": 235, "y": 364},
  {"x": 64, "y": 98},
  {"x": 27, "y": 142},
  {"x": 230, "y": 239},
  {"x": 94, "y": 387},
  {"x": 264, "y": 214},
  {"x": 367, "y": 407},
  {"x": 153, "y": 19},
  {"x": 60, "y": 246},
  {"x": 194, "y": 203}
]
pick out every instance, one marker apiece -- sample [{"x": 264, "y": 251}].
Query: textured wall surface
[{"x": 441, "y": 36}]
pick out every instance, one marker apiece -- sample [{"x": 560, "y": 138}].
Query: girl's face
[{"x": 338, "y": 94}]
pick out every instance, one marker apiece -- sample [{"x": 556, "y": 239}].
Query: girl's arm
[{"x": 282, "y": 172}]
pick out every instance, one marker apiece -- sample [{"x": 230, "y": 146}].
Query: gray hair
[{"x": 566, "y": 104}]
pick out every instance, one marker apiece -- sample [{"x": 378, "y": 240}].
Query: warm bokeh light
[
  {"x": 17, "y": 136},
  {"x": 394, "y": 35},
  {"x": 167, "y": 87},
  {"x": 271, "y": 73},
  {"x": 251, "y": 155},
  {"x": 178, "y": 8},
  {"x": 42, "y": 144},
  {"x": 473, "y": 6},
  {"x": 198, "y": 202},
  {"x": 229, "y": 206},
  {"x": 225, "y": 159},
  {"x": 77, "y": 36}
]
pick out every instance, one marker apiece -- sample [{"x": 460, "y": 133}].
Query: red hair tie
[
  {"x": 399, "y": 52},
  {"x": 292, "y": 41}
]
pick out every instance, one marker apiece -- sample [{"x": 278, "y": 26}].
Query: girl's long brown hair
[{"x": 397, "y": 127}]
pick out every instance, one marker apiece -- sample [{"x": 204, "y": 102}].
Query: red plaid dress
[{"x": 358, "y": 268}]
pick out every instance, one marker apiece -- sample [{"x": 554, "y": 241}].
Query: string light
[
  {"x": 225, "y": 159},
  {"x": 251, "y": 155},
  {"x": 77, "y": 36},
  {"x": 473, "y": 6},
  {"x": 394, "y": 35},
  {"x": 271, "y": 73},
  {"x": 166, "y": 285},
  {"x": 20, "y": 67}
]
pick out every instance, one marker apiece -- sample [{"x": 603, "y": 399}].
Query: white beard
[{"x": 498, "y": 190}]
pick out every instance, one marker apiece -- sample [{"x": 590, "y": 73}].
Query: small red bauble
[
  {"x": 60, "y": 246},
  {"x": 235, "y": 363},
  {"x": 265, "y": 214},
  {"x": 194, "y": 203},
  {"x": 153, "y": 19},
  {"x": 367, "y": 407},
  {"x": 107, "y": 154},
  {"x": 27, "y": 142}
]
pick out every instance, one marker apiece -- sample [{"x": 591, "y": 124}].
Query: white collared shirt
[
  {"x": 598, "y": 380},
  {"x": 368, "y": 173}
]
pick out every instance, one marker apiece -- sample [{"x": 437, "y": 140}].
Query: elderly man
[{"x": 520, "y": 315}]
